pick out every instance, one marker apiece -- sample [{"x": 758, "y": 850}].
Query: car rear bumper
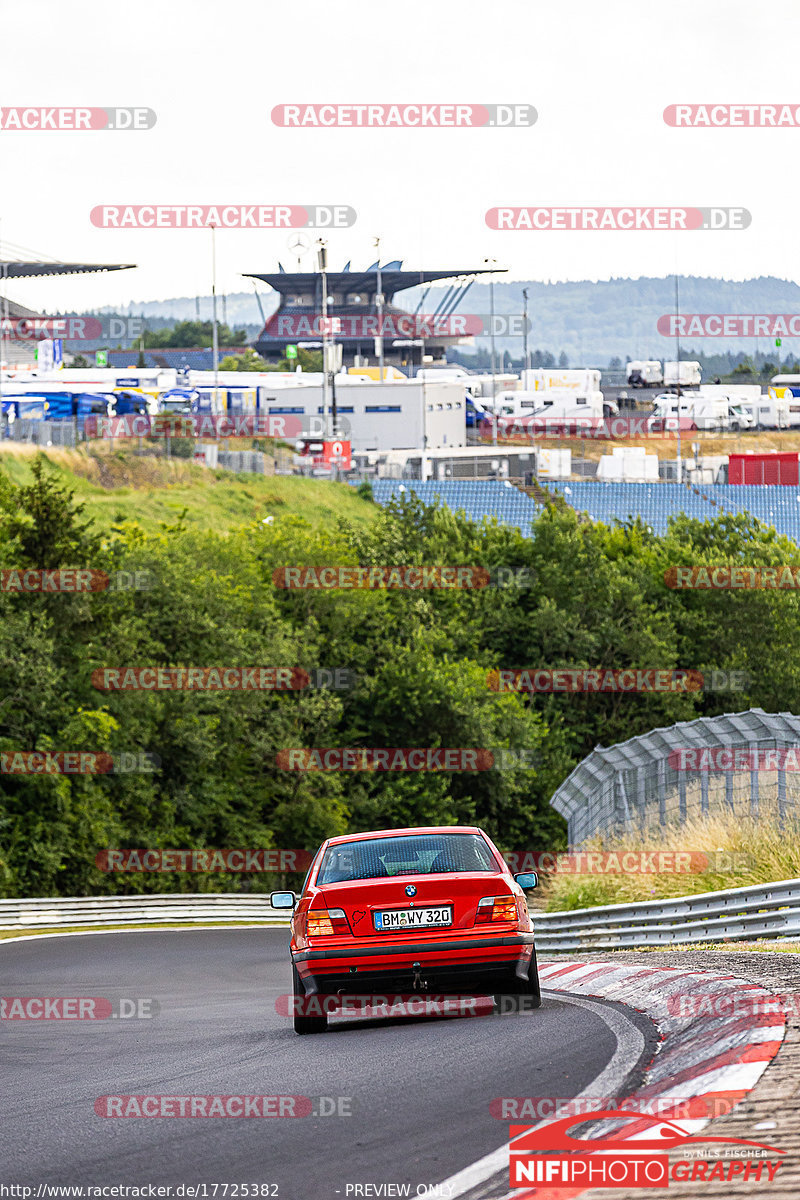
[{"x": 492, "y": 964}]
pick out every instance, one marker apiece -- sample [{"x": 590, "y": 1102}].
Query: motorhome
[
  {"x": 548, "y": 379},
  {"x": 684, "y": 373},
  {"x": 785, "y": 390},
  {"x": 483, "y": 387},
  {"x": 698, "y": 410},
  {"x": 644, "y": 373},
  {"x": 770, "y": 412},
  {"x": 564, "y": 403},
  {"x": 512, "y": 404}
]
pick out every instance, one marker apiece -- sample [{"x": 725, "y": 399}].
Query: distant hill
[{"x": 590, "y": 322}]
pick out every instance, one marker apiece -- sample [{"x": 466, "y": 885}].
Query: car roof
[{"x": 376, "y": 833}]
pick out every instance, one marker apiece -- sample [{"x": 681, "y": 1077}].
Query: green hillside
[{"x": 119, "y": 487}]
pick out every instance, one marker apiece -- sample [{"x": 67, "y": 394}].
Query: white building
[{"x": 378, "y": 417}]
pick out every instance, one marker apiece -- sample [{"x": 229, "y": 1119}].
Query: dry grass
[
  {"x": 741, "y": 852},
  {"x": 667, "y": 447}
]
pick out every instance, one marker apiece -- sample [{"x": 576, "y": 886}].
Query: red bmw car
[{"x": 431, "y": 911}]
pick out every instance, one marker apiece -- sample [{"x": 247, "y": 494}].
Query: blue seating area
[
  {"x": 656, "y": 502},
  {"x": 478, "y": 498}
]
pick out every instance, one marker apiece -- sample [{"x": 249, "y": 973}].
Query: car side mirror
[
  {"x": 282, "y": 899},
  {"x": 529, "y": 879}
]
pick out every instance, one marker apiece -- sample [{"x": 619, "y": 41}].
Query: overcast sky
[{"x": 599, "y": 73}]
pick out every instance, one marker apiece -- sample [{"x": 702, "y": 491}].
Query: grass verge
[
  {"x": 739, "y": 852},
  {"x": 118, "y": 486}
]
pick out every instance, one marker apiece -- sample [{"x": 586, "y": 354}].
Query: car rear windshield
[{"x": 417, "y": 854}]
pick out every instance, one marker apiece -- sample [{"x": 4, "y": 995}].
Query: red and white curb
[{"x": 716, "y": 1053}]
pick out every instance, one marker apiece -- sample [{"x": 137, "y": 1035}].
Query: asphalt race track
[{"x": 419, "y": 1089}]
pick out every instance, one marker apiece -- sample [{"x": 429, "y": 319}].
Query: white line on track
[{"x": 629, "y": 1049}]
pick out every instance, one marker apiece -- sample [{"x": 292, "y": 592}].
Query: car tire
[
  {"x": 527, "y": 996},
  {"x": 305, "y": 1024}
]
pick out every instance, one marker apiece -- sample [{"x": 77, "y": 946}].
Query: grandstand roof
[
  {"x": 392, "y": 280},
  {"x": 17, "y": 269}
]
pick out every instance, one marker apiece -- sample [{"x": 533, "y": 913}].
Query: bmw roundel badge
[{"x": 411, "y": 890}]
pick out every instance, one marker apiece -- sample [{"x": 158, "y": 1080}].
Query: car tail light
[
  {"x": 496, "y": 908},
  {"x": 326, "y": 922}
]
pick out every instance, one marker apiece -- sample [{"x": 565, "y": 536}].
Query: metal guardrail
[
  {"x": 194, "y": 908},
  {"x": 765, "y": 910},
  {"x": 740, "y": 914}
]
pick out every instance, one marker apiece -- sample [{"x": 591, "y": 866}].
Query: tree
[
  {"x": 309, "y": 360},
  {"x": 563, "y": 361},
  {"x": 46, "y": 523},
  {"x": 248, "y": 361},
  {"x": 192, "y": 334}
]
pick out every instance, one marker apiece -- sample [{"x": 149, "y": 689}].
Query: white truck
[
  {"x": 684, "y": 373},
  {"x": 644, "y": 373}
]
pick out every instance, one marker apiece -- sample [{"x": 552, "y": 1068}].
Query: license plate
[{"x": 413, "y": 918}]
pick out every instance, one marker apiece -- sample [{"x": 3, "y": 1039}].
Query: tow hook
[{"x": 420, "y": 984}]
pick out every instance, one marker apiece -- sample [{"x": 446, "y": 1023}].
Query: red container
[{"x": 764, "y": 468}]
